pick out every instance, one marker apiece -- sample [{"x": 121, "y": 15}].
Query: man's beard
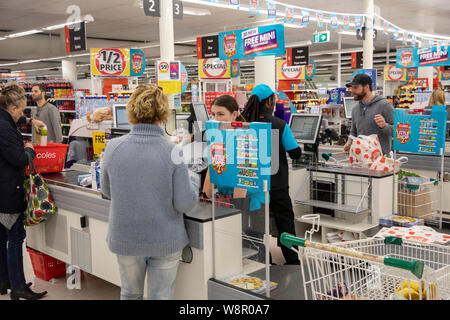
[{"x": 359, "y": 97}]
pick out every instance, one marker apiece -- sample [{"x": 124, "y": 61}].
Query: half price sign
[{"x": 110, "y": 62}]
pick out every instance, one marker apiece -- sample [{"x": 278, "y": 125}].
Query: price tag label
[{"x": 152, "y": 8}]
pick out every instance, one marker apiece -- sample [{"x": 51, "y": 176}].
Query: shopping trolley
[{"x": 373, "y": 269}]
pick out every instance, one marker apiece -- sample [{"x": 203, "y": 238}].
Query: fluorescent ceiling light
[
  {"x": 186, "y": 41},
  {"x": 290, "y": 25},
  {"x": 348, "y": 33},
  {"x": 62, "y": 25},
  {"x": 25, "y": 33},
  {"x": 196, "y": 12},
  {"x": 29, "y": 61}
]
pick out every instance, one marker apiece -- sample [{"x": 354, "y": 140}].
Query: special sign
[
  {"x": 110, "y": 62},
  {"x": 392, "y": 73},
  {"x": 286, "y": 72},
  {"x": 214, "y": 69}
]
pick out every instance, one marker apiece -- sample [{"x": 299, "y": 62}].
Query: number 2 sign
[{"x": 152, "y": 8}]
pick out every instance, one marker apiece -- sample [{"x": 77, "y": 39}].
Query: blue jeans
[
  {"x": 11, "y": 255},
  {"x": 161, "y": 273}
]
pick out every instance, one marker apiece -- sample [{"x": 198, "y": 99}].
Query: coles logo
[
  {"x": 403, "y": 132},
  {"x": 214, "y": 68},
  {"x": 406, "y": 58},
  {"x": 289, "y": 73},
  {"x": 394, "y": 73},
  {"x": 110, "y": 62},
  {"x": 46, "y": 155},
  {"x": 163, "y": 67}
]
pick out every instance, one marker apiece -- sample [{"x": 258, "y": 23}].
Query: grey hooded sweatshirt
[{"x": 363, "y": 121}]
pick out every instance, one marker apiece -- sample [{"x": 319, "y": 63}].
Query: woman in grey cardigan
[{"x": 149, "y": 191}]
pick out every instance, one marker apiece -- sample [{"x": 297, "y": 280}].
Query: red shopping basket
[
  {"x": 46, "y": 267},
  {"x": 50, "y": 158}
]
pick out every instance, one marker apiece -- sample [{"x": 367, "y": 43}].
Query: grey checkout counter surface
[{"x": 70, "y": 196}]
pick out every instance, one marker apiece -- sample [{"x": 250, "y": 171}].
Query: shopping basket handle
[
  {"x": 416, "y": 267},
  {"x": 289, "y": 240}
]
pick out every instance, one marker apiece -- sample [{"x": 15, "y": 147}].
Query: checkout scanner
[{"x": 306, "y": 128}]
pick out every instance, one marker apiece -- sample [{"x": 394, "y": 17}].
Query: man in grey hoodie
[{"x": 372, "y": 115}]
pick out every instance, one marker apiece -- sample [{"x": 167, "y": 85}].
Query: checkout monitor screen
[
  {"x": 305, "y": 127},
  {"x": 349, "y": 104},
  {"x": 201, "y": 114},
  {"x": 120, "y": 116}
]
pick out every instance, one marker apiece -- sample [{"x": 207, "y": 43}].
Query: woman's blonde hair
[
  {"x": 11, "y": 95},
  {"x": 148, "y": 104},
  {"x": 437, "y": 98}
]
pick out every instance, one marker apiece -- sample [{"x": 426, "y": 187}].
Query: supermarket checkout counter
[{"x": 76, "y": 235}]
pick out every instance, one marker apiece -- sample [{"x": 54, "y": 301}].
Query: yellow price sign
[{"x": 98, "y": 141}]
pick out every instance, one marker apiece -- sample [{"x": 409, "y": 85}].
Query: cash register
[{"x": 306, "y": 128}]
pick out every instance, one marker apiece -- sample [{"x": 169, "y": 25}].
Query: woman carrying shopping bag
[
  {"x": 13, "y": 160},
  {"x": 150, "y": 188}
]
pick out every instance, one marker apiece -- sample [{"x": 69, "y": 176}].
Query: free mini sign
[{"x": 110, "y": 62}]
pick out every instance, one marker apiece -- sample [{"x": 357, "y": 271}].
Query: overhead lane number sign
[{"x": 152, "y": 8}]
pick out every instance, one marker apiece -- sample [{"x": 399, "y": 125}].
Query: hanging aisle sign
[
  {"x": 248, "y": 43},
  {"x": 208, "y": 47},
  {"x": 298, "y": 56},
  {"x": 423, "y": 57}
]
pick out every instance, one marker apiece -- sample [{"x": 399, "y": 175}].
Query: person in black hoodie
[
  {"x": 14, "y": 155},
  {"x": 259, "y": 108}
]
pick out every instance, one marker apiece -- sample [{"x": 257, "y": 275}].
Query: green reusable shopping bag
[{"x": 40, "y": 205}]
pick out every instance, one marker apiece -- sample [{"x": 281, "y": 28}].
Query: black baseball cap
[{"x": 360, "y": 79}]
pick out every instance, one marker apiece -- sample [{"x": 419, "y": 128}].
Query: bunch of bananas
[{"x": 410, "y": 290}]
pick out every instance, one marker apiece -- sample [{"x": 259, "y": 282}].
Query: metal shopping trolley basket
[{"x": 373, "y": 269}]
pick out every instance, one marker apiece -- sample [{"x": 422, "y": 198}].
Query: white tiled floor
[{"x": 92, "y": 288}]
